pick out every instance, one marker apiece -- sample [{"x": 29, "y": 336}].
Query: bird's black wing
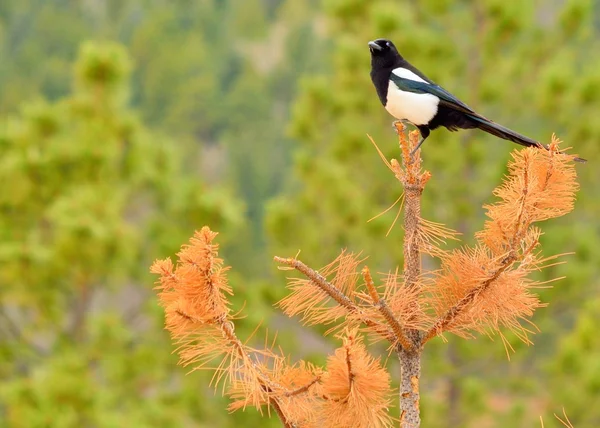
[
  {"x": 450, "y": 101},
  {"x": 445, "y": 97}
]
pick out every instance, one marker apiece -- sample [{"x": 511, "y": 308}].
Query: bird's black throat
[
  {"x": 384, "y": 58},
  {"x": 380, "y": 76}
]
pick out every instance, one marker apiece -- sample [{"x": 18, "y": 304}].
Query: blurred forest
[{"x": 127, "y": 124}]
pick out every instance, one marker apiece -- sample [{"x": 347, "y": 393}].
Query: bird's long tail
[{"x": 508, "y": 134}]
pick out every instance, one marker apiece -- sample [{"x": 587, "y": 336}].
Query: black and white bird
[{"x": 408, "y": 95}]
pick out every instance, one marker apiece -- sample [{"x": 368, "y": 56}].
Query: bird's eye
[{"x": 387, "y": 44}]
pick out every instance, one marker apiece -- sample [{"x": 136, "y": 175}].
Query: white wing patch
[
  {"x": 407, "y": 74},
  {"x": 418, "y": 109}
]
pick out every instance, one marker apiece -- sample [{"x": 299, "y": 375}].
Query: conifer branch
[
  {"x": 335, "y": 293},
  {"x": 266, "y": 384},
  {"x": 320, "y": 282},
  {"x": 386, "y": 312},
  {"x": 454, "y": 311},
  {"x": 349, "y": 366},
  {"x": 355, "y": 389},
  {"x": 366, "y": 273},
  {"x": 284, "y": 420},
  {"x": 303, "y": 388},
  {"x": 540, "y": 186},
  {"x": 193, "y": 294}
]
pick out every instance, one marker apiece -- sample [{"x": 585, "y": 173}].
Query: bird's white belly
[{"x": 418, "y": 109}]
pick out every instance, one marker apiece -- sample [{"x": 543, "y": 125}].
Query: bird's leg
[
  {"x": 424, "y": 134},
  {"x": 419, "y": 144}
]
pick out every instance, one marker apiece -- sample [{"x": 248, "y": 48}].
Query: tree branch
[
  {"x": 521, "y": 226},
  {"x": 284, "y": 420},
  {"x": 442, "y": 323},
  {"x": 320, "y": 281},
  {"x": 386, "y": 312},
  {"x": 349, "y": 365},
  {"x": 454, "y": 311},
  {"x": 336, "y": 294},
  {"x": 303, "y": 388},
  {"x": 266, "y": 384}
]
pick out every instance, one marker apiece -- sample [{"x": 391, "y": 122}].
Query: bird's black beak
[{"x": 374, "y": 46}]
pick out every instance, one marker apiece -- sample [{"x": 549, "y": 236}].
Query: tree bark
[
  {"x": 410, "y": 363},
  {"x": 413, "y": 181}
]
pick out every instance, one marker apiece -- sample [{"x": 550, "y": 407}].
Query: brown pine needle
[
  {"x": 566, "y": 422},
  {"x": 381, "y": 155},
  {"x": 507, "y": 346},
  {"x": 251, "y": 335},
  {"x": 401, "y": 198},
  {"x": 395, "y": 219},
  {"x": 385, "y": 311}
]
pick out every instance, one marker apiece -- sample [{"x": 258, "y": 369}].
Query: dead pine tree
[{"x": 480, "y": 289}]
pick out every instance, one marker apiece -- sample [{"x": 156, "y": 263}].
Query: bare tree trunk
[
  {"x": 410, "y": 359},
  {"x": 410, "y": 362}
]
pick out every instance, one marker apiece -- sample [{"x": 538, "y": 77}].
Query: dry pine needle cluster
[{"x": 352, "y": 391}]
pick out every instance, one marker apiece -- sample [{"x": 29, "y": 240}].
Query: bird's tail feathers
[
  {"x": 508, "y": 134},
  {"x": 504, "y": 133}
]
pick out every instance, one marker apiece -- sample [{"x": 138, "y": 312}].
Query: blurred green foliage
[
  {"x": 125, "y": 125},
  {"x": 89, "y": 195}
]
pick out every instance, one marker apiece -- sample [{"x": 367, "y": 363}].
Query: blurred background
[{"x": 127, "y": 124}]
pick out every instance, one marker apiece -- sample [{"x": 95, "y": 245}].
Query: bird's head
[{"x": 383, "y": 53}]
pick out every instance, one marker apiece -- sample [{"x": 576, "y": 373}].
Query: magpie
[{"x": 408, "y": 95}]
